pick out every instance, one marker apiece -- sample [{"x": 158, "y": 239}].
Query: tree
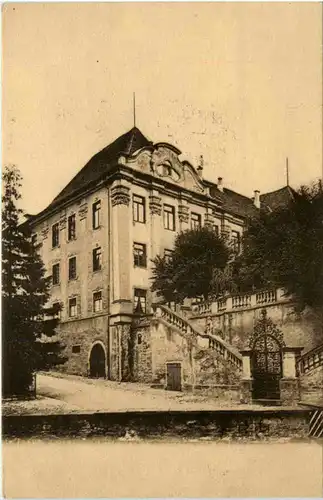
[
  {"x": 198, "y": 263},
  {"x": 285, "y": 248},
  {"x": 26, "y": 319}
]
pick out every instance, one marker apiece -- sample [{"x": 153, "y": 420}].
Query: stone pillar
[
  {"x": 122, "y": 244},
  {"x": 121, "y": 300},
  {"x": 289, "y": 384},
  {"x": 246, "y": 380},
  {"x": 156, "y": 230},
  {"x": 183, "y": 215},
  {"x": 209, "y": 218}
]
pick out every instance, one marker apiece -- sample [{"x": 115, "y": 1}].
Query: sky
[{"x": 239, "y": 83}]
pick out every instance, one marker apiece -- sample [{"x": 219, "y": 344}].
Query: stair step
[{"x": 267, "y": 402}]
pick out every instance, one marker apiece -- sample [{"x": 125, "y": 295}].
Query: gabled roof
[
  {"x": 233, "y": 202},
  {"x": 103, "y": 162},
  {"x": 277, "y": 199}
]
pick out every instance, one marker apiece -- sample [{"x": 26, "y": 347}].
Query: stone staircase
[
  {"x": 311, "y": 360},
  {"x": 177, "y": 320},
  {"x": 310, "y": 368},
  {"x": 182, "y": 320}
]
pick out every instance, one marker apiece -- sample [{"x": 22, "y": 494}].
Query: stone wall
[
  {"x": 303, "y": 330},
  {"x": 142, "y": 356},
  {"x": 311, "y": 385},
  {"x": 251, "y": 424},
  {"x": 85, "y": 333},
  {"x": 201, "y": 366}
]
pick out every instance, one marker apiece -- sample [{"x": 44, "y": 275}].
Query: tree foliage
[
  {"x": 26, "y": 319},
  {"x": 198, "y": 267},
  {"x": 285, "y": 248}
]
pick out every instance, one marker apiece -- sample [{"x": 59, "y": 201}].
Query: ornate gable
[{"x": 162, "y": 160}]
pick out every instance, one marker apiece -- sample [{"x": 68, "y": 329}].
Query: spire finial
[
  {"x": 287, "y": 172},
  {"x": 134, "y": 109}
]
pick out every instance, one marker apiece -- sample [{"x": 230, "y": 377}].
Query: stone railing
[
  {"x": 221, "y": 305},
  {"x": 175, "y": 319},
  {"x": 266, "y": 297},
  {"x": 223, "y": 350},
  {"x": 311, "y": 359},
  {"x": 239, "y": 302},
  {"x": 202, "y": 308}
]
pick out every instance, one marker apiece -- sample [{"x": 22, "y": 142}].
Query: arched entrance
[
  {"x": 266, "y": 365},
  {"x": 266, "y": 344},
  {"x": 97, "y": 361}
]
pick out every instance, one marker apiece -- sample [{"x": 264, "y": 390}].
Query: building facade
[{"x": 99, "y": 235}]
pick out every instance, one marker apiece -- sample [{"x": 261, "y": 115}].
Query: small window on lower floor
[
  {"x": 140, "y": 301},
  {"x": 57, "y": 310},
  {"x": 72, "y": 307},
  {"x": 76, "y": 349},
  {"x": 97, "y": 301}
]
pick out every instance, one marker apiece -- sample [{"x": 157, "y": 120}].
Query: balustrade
[
  {"x": 222, "y": 305},
  {"x": 241, "y": 301},
  {"x": 311, "y": 359},
  {"x": 266, "y": 297}
]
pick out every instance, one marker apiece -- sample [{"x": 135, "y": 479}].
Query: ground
[{"x": 57, "y": 393}]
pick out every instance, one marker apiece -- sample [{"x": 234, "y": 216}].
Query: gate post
[
  {"x": 246, "y": 381},
  {"x": 289, "y": 384}
]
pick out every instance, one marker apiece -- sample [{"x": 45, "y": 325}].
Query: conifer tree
[{"x": 26, "y": 318}]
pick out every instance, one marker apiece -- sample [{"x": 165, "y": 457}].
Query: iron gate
[{"x": 266, "y": 368}]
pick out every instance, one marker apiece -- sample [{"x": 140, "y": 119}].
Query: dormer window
[{"x": 167, "y": 170}]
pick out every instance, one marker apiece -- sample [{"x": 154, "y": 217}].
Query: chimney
[
  {"x": 220, "y": 184},
  {"x": 256, "y": 199},
  {"x": 200, "y": 167}
]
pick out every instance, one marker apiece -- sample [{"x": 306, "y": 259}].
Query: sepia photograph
[{"x": 162, "y": 250}]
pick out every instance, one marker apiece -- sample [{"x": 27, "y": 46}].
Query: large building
[{"x": 99, "y": 235}]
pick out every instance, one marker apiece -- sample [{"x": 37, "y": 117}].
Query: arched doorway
[
  {"x": 266, "y": 343},
  {"x": 266, "y": 366},
  {"x": 97, "y": 361}
]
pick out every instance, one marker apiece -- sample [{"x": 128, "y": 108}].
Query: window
[
  {"x": 76, "y": 349},
  {"x": 216, "y": 229},
  {"x": 97, "y": 302},
  {"x": 55, "y": 274},
  {"x": 196, "y": 221},
  {"x": 168, "y": 254},
  {"x": 96, "y": 208},
  {"x": 235, "y": 241},
  {"x": 139, "y": 255},
  {"x": 166, "y": 170},
  {"x": 71, "y": 227},
  {"x": 139, "y": 209},
  {"x": 57, "y": 310},
  {"x": 97, "y": 259},
  {"x": 72, "y": 307},
  {"x": 72, "y": 268},
  {"x": 169, "y": 217},
  {"x": 140, "y": 301},
  {"x": 55, "y": 235}
]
